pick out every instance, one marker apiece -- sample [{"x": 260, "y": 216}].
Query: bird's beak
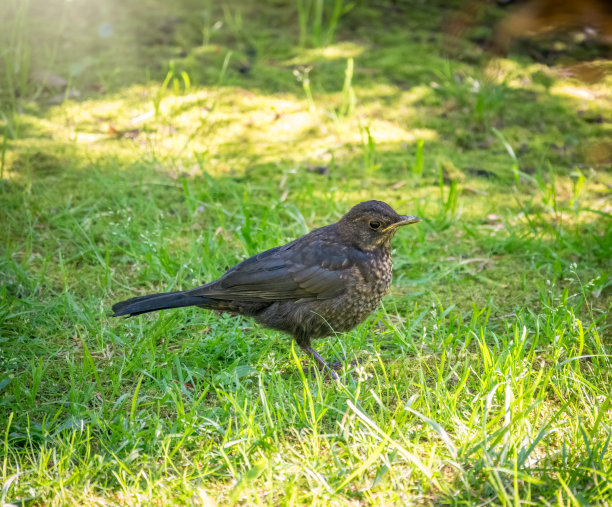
[{"x": 404, "y": 220}]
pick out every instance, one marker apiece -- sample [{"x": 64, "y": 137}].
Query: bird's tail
[{"x": 154, "y": 302}]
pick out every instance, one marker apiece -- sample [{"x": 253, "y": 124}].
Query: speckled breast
[{"x": 361, "y": 299}]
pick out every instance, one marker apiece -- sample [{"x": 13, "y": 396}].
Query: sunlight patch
[{"x": 332, "y": 52}]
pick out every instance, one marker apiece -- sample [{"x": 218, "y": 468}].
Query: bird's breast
[
  {"x": 363, "y": 297},
  {"x": 378, "y": 277}
]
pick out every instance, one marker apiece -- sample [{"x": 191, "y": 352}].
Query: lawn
[{"x": 148, "y": 146}]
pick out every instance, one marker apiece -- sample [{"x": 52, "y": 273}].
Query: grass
[{"x": 483, "y": 378}]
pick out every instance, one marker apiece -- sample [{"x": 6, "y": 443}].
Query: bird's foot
[
  {"x": 336, "y": 365},
  {"x": 325, "y": 373},
  {"x": 322, "y": 364},
  {"x": 339, "y": 365}
]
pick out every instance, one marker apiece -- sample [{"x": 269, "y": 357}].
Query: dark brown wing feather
[{"x": 311, "y": 267}]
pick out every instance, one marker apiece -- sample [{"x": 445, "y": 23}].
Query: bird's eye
[{"x": 374, "y": 224}]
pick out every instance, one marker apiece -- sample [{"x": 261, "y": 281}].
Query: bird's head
[{"x": 372, "y": 224}]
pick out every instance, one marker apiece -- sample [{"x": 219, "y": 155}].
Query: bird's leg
[{"x": 320, "y": 361}]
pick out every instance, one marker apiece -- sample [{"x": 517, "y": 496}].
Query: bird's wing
[{"x": 310, "y": 267}]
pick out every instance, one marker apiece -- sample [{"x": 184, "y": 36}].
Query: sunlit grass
[{"x": 483, "y": 378}]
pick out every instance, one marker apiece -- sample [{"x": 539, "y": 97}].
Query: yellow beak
[{"x": 405, "y": 220}]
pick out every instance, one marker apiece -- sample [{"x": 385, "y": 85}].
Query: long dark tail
[{"x": 154, "y": 302}]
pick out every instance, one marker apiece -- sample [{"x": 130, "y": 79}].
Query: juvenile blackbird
[{"x": 327, "y": 281}]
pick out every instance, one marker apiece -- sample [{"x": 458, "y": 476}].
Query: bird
[{"x": 325, "y": 282}]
